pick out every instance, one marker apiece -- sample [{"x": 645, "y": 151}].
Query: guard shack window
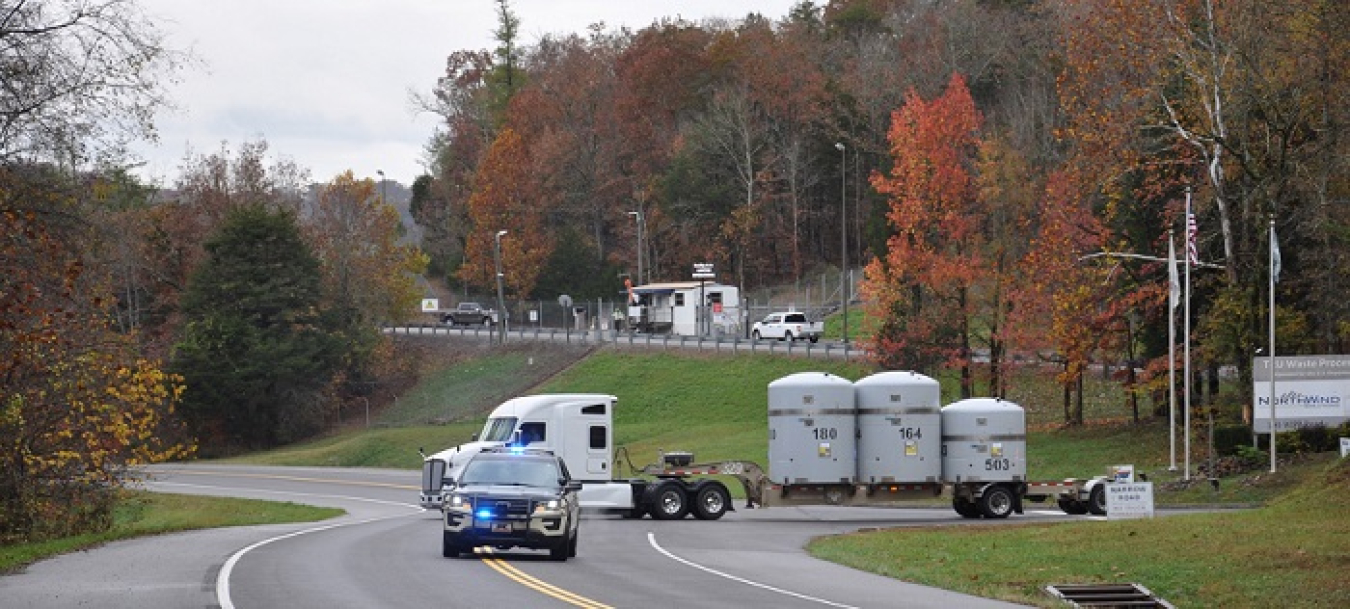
[{"x": 679, "y": 299}]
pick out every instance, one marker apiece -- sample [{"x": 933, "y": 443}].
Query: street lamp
[
  {"x": 501, "y": 301},
  {"x": 843, "y": 231},
  {"x": 637, "y": 215},
  {"x": 380, "y": 172}
]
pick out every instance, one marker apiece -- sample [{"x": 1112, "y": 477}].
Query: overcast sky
[{"x": 327, "y": 82}]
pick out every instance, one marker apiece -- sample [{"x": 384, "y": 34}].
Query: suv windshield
[{"x": 518, "y": 472}]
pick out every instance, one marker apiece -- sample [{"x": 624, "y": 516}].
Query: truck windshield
[{"x": 498, "y": 429}]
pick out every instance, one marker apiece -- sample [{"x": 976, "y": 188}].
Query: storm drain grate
[{"x": 1102, "y": 596}]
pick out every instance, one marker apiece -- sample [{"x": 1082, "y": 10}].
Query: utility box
[
  {"x": 899, "y": 428},
  {"x": 984, "y": 440},
  {"x": 812, "y": 429}
]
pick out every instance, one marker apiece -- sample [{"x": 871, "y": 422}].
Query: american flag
[{"x": 1192, "y": 254}]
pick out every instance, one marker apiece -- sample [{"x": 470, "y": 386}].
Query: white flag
[
  {"x": 1174, "y": 282},
  {"x": 1274, "y": 253}
]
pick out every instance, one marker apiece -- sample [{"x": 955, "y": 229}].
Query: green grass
[
  {"x": 394, "y": 447},
  {"x": 467, "y": 391},
  {"x": 140, "y": 513},
  {"x": 1294, "y": 553}
]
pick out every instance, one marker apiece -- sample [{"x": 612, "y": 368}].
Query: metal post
[
  {"x": 501, "y": 300},
  {"x": 843, "y": 232}
]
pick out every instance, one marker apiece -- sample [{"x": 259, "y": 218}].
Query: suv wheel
[
  {"x": 449, "y": 549},
  {"x": 559, "y": 551}
]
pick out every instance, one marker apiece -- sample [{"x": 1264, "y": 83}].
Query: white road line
[
  {"x": 651, "y": 539},
  {"x": 223, "y": 578}
]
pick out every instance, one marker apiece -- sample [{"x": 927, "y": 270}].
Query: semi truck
[{"x": 878, "y": 441}]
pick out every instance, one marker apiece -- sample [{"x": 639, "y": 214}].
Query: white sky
[{"x": 327, "y": 82}]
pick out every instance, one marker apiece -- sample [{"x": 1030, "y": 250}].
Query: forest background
[{"x": 976, "y": 155}]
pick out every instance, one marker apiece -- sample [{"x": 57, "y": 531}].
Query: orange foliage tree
[
  {"x": 925, "y": 291},
  {"x": 506, "y": 199},
  {"x": 79, "y": 404}
]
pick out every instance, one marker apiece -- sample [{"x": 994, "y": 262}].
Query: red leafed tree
[
  {"x": 925, "y": 290},
  {"x": 506, "y": 198},
  {"x": 1057, "y": 306}
]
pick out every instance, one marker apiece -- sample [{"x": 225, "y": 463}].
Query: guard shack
[{"x": 685, "y": 308}]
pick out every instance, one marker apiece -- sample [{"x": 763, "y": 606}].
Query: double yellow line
[
  {"x": 512, "y": 573},
  {"x": 498, "y": 564}
]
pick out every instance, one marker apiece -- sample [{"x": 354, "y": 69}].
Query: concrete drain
[{"x": 1102, "y": 596}]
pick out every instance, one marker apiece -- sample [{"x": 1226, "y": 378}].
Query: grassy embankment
[
  {"x": 141, "y": 513},
  {"x": 1292, "y": 553}
]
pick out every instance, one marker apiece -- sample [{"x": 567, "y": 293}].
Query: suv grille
[{"x": 502, "y": 507}]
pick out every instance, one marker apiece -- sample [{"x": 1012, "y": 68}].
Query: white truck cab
[{"x": 577, "y": 427}]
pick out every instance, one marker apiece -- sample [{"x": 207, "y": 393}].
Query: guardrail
[{"x": 633, "y": 340}]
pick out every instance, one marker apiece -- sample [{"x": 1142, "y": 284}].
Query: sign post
[{"x": 703, "y": 271}]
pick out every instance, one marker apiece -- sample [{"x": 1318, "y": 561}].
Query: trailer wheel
[
  {"x": 711, "y": 501},
  {"x": 996, "y": 502},
  {"x": 1072, "y": 507},
  {"x": 668, "y": 501},
  {"x": 1097, "y": 500},
  {"x": 967, "y": 509}
]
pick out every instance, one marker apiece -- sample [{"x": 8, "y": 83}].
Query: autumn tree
[
  {"x": 259, "y": 348},
  {"x": 506, "y": 199},
  {"x": 925, "y": 293},
  {"x": 80, "y": 405}
]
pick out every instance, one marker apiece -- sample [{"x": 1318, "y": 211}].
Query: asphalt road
[{"x": 386, "y": 553}]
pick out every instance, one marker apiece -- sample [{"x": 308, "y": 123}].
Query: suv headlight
[
  {"x": 547, "y": 506},
  {"x": 457, "y": 501}
]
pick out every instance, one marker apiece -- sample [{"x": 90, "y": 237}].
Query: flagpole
[
  {"x": 1172, "y": 350},
  {"x": 1274, "y": 251},
  {"x": 1186, "y": 350}
]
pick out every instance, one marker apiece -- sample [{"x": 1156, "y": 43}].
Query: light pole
[
  {"x": 501, "y": 300},
  {"x": 638, "y": 216},
  {"x": 843, "y": 231},
  {"x": 380, "y": 172}
]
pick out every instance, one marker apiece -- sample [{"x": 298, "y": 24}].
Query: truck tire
[
  {"x": 756, "y": 335},
  {"x": 967, "y": 509},
  {"x": 449, "y": 548},
  {"x": 667, "y": 501},
  {"x": 1072, "y": 506},
  {"x": 997, "y": 502},
  {"x": 487, "y": 321},
  {"x": 787, "y": 336},
  {"x": 815, "y": 339},
  {"x": 1097, "y": 500},
  {"x": 572, "y": 545},
  {"x": 711, "y": 501}
]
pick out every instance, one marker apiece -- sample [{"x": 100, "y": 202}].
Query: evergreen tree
[{"x": 258, "y": 350}]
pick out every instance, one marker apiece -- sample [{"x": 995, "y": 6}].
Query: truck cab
[{"x": 577, "y": 427}]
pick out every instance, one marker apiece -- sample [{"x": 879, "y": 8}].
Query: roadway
[
  {"x": 386, "y": 553},
  {"x": 825, "y": 349}
]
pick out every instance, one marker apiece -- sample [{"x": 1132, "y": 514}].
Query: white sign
[
  {"x": 1121, "y": 473},
  {"x": 1345, "y": 447},
  {"x": 703, "y": 270},
  {"x": 430, "y": 305},
  {"x": 1309, "y": 390},
  {"x": 1129, "y": 500}
]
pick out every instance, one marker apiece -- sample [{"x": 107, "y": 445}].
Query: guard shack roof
[{"x": 675, "y": 286}]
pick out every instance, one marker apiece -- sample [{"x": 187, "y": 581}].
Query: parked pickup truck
[
  {"x": 469, "y": 314},
  {"x": 790, "y": 325}
]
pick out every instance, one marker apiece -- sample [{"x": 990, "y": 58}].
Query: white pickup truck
[{"x": 789, "y": 325}]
